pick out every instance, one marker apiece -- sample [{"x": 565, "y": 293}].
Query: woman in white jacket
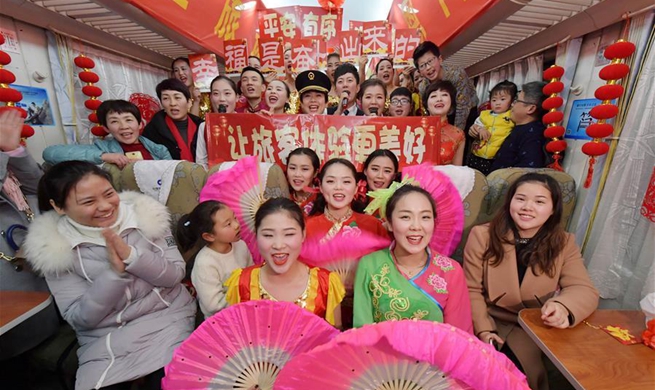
[{"x": 114, "y": 269}]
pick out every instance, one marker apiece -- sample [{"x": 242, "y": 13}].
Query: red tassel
[
  {"x": 555, "y": 164},
  {"x": 590, "y": 172}
]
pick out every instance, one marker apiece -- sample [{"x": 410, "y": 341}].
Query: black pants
[
  {"x": 481, "y": 164},
  {"x": 151, "y": 381}
]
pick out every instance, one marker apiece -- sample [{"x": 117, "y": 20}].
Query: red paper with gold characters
[
  {"x": 404, "y": 43},
  {"x": 317, "y": 21},
  {"x": 648, "y": 207},
  {"x": 203, "y": 70},
  {"x": 304, "y": 54},
  {"x": 271, "y": 53},
  {"x": 233, "y": 136},
  {"x": 350, "y": 46},
  {"x": 236, "y": 55},
  {"x": 376, "y": 38},
  {"x": 283, "y": 22}
]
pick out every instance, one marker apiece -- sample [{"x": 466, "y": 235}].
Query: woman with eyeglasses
[{"x": 401, "y": 102}]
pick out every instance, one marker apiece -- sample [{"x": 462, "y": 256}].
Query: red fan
[
  {"x": 245, "y": 346},
  {"x": 449, "y": 224},
  {"x": 402, "y": 355},
  {"x": 242, "y": 190}
]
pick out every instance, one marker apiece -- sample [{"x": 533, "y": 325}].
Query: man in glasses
[
  {"x": 524, "y": 147},
  {"x": 427, "y": 59}
]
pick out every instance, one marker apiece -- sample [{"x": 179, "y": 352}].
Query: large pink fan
[
  {"x": 449, "y": 224},
  {"x": 402, "y": 355},
  {"x": 245, "y": 346},
  {"x": 241, "y": 189}
]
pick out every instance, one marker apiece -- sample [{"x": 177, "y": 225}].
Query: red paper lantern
[
  {"x": 6, "y": 77},
  {"x": 609, "y": 92},
  {"x": 93, "y": 117},
  {"x": 600, "y": 130},
  {"x": 89, "y": 77},
  {"x": 595, "y": 148},
  {"x": 5, "y": 59},
  {"x": 614, "y": 72},
  {"x": 604, "y": 111},
  {"x": 552, "y": 103},
  {"x": 620, "y": 49},
  {"x": 554, "y": 132},
  {"x": 330, "y": 5},
  {"x": 553, "y": 117},
  {"x": 27, "y": 131},
  {"x": 554, "y": 72},
  {"x": 92, "y": 104},
  {"x": 553, "y": 88},
  {"x": 84, "y": 62},
  {"x": 91, "y": 90},
  {"x": 98, "y": 131},
  {"x": 2, "y": 39},
  {"x": 556, "y": 146},
  {"x": 10, "y": 95}
]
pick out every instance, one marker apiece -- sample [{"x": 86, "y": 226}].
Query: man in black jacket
[{"x": 347, "y": 86}]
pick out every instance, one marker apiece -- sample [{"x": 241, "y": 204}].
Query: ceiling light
[{"x": 246, "y": 6}]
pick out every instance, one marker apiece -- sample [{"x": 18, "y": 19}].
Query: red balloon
[
  {"x": 93, "y": 117},
  {"x": 553, "y": 117},
  {"x": 600, "y": 130},
  {"x": 595, "y": 148},
  {"x": 89, "y": 77},
  {"x": 98, "y": 131},
  {"x": 554, "y": 131},
  {"x": 619, "y": 50},
  {"x": 92, "y": 104},
  {"x": 84, "y": 62},
  {"x": 556, "y": 146},
  {"x": 10, "y": 95},
  {"x": 6, "y": 77},
  {"x": 609, "y": 92},
  {"x": 27, "y": 131},
  {"x": 554, "y": 87},
  {"x": 91, "y": 90},
  {"x": 604, "y": 111},
  {"x": 552, "y": 102},
  {"x": 22, "y": 112},
  {"x": 614, "y": 72},
  {"x": 5, "y": 59},
  {"x": 554, "y": 72}
]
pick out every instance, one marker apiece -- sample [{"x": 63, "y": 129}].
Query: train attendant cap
[{"x": 313, "y": 80}]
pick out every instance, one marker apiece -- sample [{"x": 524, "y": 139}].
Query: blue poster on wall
[
  {"x": 579, "y": 118},
  {"x": 35, "y": 102}
]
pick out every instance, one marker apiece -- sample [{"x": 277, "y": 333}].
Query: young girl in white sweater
[{"x": 212, "y": 227}]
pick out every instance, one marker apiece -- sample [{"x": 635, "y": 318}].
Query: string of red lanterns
[
  {"x": 611, "y": 73},
  {"x": 92, "y": 91},
  {"x": 11, "y": 96},
  {"x": 554, "y": 131}
]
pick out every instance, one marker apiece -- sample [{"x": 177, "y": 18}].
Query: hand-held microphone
[
  {"x": 373, "y": 110},
  {"x": 222, "y": 109}
]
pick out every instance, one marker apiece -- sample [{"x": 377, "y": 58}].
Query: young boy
[
  {"x": 492, "y": 127},
  {"x": 347, "y": 87},
  {"x": 173, "y": 126},
  {"x": 122, "y": 120}
]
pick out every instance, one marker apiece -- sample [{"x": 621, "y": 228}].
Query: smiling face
[
  {"x": 347, "y": 83},
  {"x": 226, "y": 227},
  {"x": 313, "y": 102},
  {"x": 439, "y": 103},
  {"x": 123, "y": 127},
  {"x": 300, "y": 172},
  {"x": 373, "y": 97},
  {"x": 252, "y": 85},
  {"x": 332, "y": 64},
  {"x": 276, "y": 95},
  {"x": 500, "y": 102},
  {"x": 380, "y": 173},
  {"x": 385, "y": 72},
  {"x": 412, "y": 224},
  {"x": 338, "y": 187},
  {"x": 400, "y": 105},
  {"x": 530, "y": 208},
  {"x": 182, "y": 72},
  {"x": 92, "y": 202},
  {"x": 429, "y": 66},
  {"x": 222, "y": 93},
  {"x": 279, "y": 240},
  {"x": 175, "y": 104}
]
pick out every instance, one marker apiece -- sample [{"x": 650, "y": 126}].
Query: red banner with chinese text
[
  {"x": 283, "y": 22},
  {"x": 350, "y": 46},
  {"x": 304, "y": 54},
  {"x": 376, "y": 38},
  {"x": 355, "y": 25},
  {"x": 439, "y": 21},
  {"x": 233, "y": 136},
  {"x": 271, "y": 53},
  {"x": 318, "y": 21},
  {"x": 203, "y": 70},
  {"x": 236, "y": 55},
  {"x": 405, "y": 41}
]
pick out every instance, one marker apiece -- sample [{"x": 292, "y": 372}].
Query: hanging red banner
[
  {"x": 438, "y": 21},
  {"x": 355, "y": 25},
  {"x": 233, "y": 136},
  {"x": 203, "y": 70},
  {"x": 281, "y": 22},
  {"x": 304, "y": 54},
  {"x": 236, "y": 55},
  {"x": 350, "y": 46},
  {"x": 271, "y": 53},
  {"x": 405, "y": 41},
  {"x": 376, "y": 38}
]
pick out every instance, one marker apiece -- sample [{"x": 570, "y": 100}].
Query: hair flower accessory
[{"x": 381, "y": 197}]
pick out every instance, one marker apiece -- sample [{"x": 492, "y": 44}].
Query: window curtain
[
  {"x": 120, "y": 77},
  {"x": 620, "y": 251},
  {"x": 519, "y": 72}
]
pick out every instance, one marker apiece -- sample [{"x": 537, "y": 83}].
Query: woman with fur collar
[{"x": 115, "y": 271}]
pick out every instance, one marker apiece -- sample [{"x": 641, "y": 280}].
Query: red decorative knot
[
  {"x": 553, "y": 131},
  {"x": 93, "y": 92},
  {"x": 612, "y": 74},
  {"x": 8, "y": 95}
]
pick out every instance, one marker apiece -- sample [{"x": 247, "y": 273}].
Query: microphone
[
  {"x": 373, "y": 110},
  {"x": 222, "y": 109}
]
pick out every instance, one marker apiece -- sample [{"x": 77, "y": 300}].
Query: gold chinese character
[{"x": 228, "y": 22}]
